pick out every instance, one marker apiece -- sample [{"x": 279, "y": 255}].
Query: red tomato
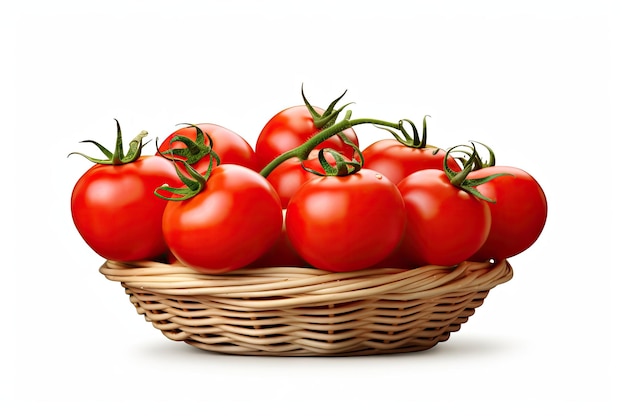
[
  {"x": 234, "y": 220},
  {"x": 116, "y": 212},
  {"x": 228, "y": 145},
  {"x": 397, "y": 259},
  {"x": 396, "y": 160},
  {"x": 289, "y": 176},
  {"x": 518, "y": 214},
  {"x": 291, "y": 128},
  {"x": 281, "y": 254},
  {"x": 346, "y": 223},
  {"x": 445, "y": 225}
]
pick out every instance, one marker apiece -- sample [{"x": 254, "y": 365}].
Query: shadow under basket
[{"x": 287, "y": 311}]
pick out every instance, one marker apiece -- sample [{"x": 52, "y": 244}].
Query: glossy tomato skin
[
  {"x": 445, "y": 225},
  {"x": 517, "y": 217},
  {"x": 290, "y": 175},
  {"x": 287, "y": 178},
  {"x": 116, "y": 212},
  {"x": 229, "y": 146},
  {"x": 228, "y": 225},
  {"x": 346, "y": 223},
  {"x": 292, "y": 127},
  {"x": 396, "y": 161}
]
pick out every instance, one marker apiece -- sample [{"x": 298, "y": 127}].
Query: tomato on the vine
[
  {"x": 448, "y": 219},
  {"x": 293, "y": 126},
  {"x": 397, "y": 161},
  {"x": 291, "y": 174},
  {"x": 114, "y": 207},
  {"x": 281, "y": 254},
  {"x": 231, "y": 218},
  {"x": 397, "y": 158},
  {"x": 445, "y": 225},
  {"x": 192, "y": 143},
  {"x": 518, "y": 215},
  {"x": 346, "y": 223}
]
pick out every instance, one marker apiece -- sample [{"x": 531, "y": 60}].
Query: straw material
[{"x": 308, "y": 312}]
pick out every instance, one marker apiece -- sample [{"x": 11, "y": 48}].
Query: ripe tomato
[
  {"x": 397, "y": 259},
  {"x": 399, "y": 157},
  {"x": 346, "y": 223},
  {"x": 281, "y": 254},
  {"x": 289, "y": 176},
  {"x": 445, "y": 224},
  {"x": 116, "y": 212},
  {"x": 228, "y": 145},
  {"x": 518, "y": 215},
  {"x": 291, "y": 128},
  {"x": 230, "y": 223},
  {"x": 396, "y": 160}
]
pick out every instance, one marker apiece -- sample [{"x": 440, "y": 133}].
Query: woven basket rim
[{"x": 291, "y": 286}]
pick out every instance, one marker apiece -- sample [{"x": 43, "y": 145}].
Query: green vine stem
[{"x": 302, "y": 152}]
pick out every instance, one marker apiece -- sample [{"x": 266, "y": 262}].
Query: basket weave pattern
[{"x": 308, "y": 312}]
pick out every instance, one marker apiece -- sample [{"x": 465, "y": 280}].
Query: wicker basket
[{"x": 308, "y": 312}]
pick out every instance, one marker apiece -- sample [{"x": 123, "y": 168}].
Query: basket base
[
  {"x": 307, "y": 312},
  {"x": 255, "y": 334}
]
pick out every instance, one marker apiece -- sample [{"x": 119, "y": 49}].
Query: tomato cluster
[{"x": 306, "y": 195}]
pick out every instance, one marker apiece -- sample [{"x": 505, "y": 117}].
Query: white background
[{"x": 542, "y": 82}]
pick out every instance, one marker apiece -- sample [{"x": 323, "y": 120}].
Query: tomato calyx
[
  {"x": 194, "y": 182},
  {"x": 477, "y": 162},
  {"x": 118, "y": 157},
  {"x": 459, "y": 179},
  {"x": 411, "y": 140},
  {"x": 341, "y": 168},
  {"x": 330, "y": 115},
  {"x": 193, "y": 151}
]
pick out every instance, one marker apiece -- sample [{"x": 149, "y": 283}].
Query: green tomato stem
[
  {"x": 460, "y": 180},
  {"x": 302, "y": 152}
]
